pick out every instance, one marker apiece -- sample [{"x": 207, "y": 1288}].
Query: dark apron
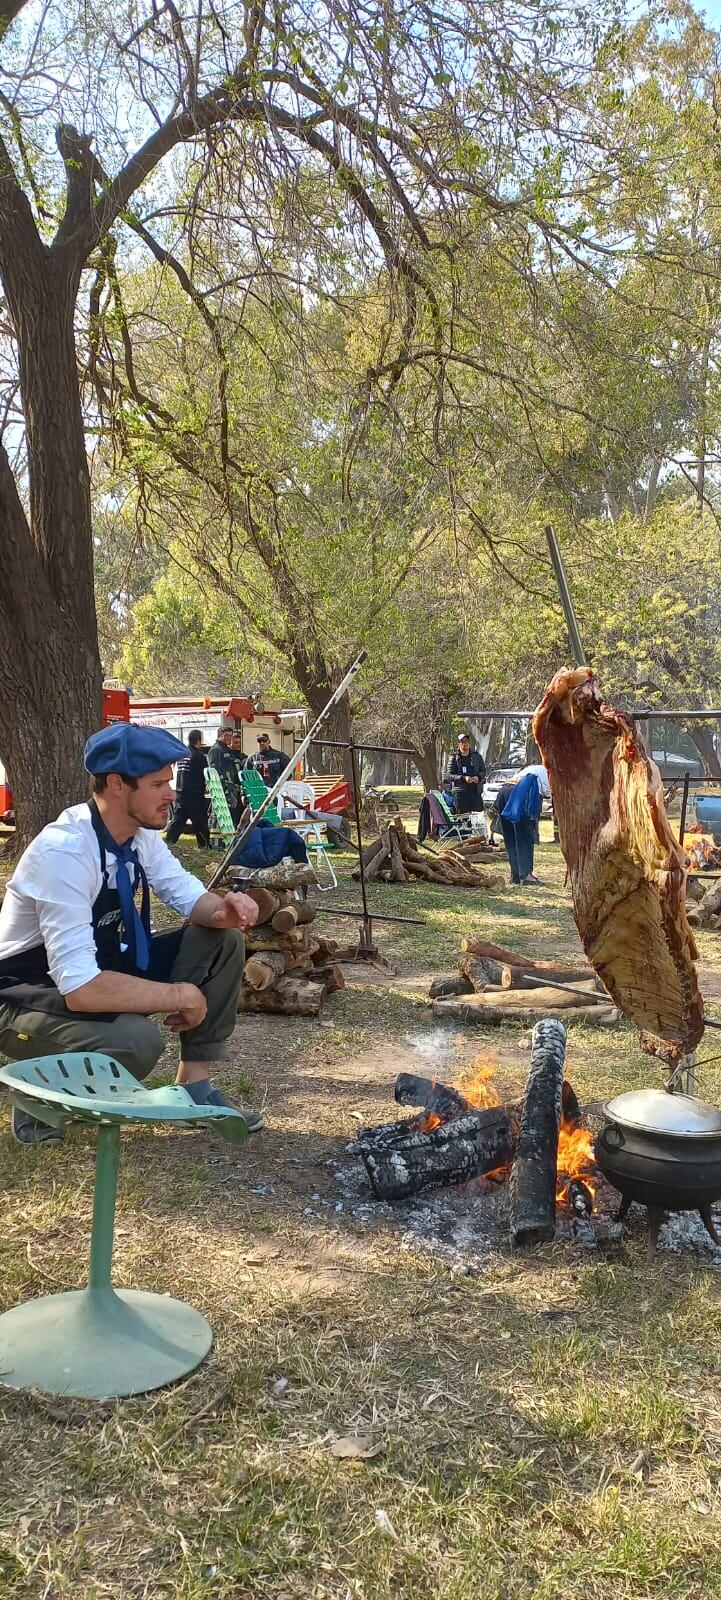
[{"x": 24, "y": 978}]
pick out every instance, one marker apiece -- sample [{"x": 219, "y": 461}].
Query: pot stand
[
  {"x": 100, "y": 1342},
  {"x": 656, "y": 1215}
]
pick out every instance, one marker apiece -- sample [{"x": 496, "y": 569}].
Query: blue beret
[{"x": 131, "y": 751}]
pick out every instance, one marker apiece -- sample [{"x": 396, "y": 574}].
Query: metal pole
[
  {"x": 106, "y": 1183},
  {"x": 574, "y": 637},
  {"x": 684, "y": 808},
  {"x": 366, "y": 936},
  {"x": 244, "y": 832}
]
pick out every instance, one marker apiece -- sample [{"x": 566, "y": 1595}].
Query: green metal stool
[{"x": 100, "y": 1342}]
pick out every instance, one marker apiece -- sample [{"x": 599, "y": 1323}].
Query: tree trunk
[
  {"x": 315, "y": 680},
  {"x": 426, "y": 760},
  {"x": 704, "y": 742},
  {"x": 50, "y": 674}
]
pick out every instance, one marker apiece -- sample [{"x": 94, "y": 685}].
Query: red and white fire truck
[{"x": 179, "y": 715}]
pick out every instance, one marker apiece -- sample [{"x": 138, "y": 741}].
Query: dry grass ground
[{"x": 550, "y": 1428}]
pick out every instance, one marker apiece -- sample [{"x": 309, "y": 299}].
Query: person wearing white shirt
[{"x": 80, "y": 968}]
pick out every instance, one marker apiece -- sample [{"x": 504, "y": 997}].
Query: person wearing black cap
[
  {"x": 79, "y": 966},
  {"x": 268, "y": 761},
  {"x": 466, "y": 775},
  {"x": 192, "y": 802}
]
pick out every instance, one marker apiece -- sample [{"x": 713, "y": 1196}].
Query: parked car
[{"x": 495, "y": 778}]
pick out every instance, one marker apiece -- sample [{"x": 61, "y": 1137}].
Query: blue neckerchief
[{"x": 136, "y": 924}]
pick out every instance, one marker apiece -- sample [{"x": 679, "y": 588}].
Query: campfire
[
  {"x": 465, "y": 1133},
  {"x": 703, "y": 851}
]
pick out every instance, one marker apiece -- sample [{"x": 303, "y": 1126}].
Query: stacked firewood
[
  {"x": 706, "y": 913},
  {"x": 289, "y": 969},
  {"x": 493, "y": 985},
  {"x": 393, "y": 857},
  {"x": 475, "y": 850}
]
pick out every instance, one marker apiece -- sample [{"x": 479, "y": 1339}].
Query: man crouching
[{"x": 79, "y": 966}]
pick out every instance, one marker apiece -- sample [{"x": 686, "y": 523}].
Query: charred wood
[
  {"x": 453, "y": 1153},
  {"x": 532, "y": 1189},
  {"x": 439, "y": 1098}
]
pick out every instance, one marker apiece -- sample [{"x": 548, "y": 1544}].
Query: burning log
[
  {"x": 440, "y": 1099},
  {"x": 579, "y": 1197},
  {"x": 533, "y": 1179},
  {"x": 404, "y": 1163}
]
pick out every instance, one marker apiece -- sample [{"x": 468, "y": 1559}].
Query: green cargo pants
[{"x": 208, "y": 957}]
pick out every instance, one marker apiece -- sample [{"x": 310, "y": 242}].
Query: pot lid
[{"x": 656, "y": 1111}]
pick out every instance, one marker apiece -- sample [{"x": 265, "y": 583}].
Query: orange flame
[
  {"x": 576, "y": 1159},
  {"x": 481, "y": 1090},
  {"x": 702, "y": 850}
]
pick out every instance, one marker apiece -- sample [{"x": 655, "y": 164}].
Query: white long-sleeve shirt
[{"x": 50, "y": 896}]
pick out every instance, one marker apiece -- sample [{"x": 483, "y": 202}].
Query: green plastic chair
[
  {"x": 100, "y": 1342},
  {"x": 255, "y": 791}
]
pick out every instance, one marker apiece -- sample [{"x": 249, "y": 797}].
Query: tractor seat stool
[{"x": 100, "y": 1342}]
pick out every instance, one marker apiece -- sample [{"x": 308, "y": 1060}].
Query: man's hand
[
  {"x": 191, "y": 1008},
  {"x": 237, "y": 911}
]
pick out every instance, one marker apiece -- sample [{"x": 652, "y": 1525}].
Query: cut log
[
  {"x": 477, "y": 972},
  {"x": 406, "y": 1163},
  {"x": 398, "y": 869},
  {"x": 453, "y": 984},
  {"x": 520, "y": 1000},
  {"x": 291, "y": 997},
  {"x": 332, "y": 978},
  {"x": 440, "y": 1098},
  {"x": 266, "y": 901},
  {"x": 532, "y": 1188},
  {"x": 466, "y": 1012},
  {"x": 288, "y": 875},
  {"x": 703, "y": 915},
  {"x": 263, "y": 971},
  {"x": 285, "y": 919},
  {"x": 527, "y": 976},
  {"x": 306, "y": 911},
  {"x": 486, "y": 950},
  {"x": 327, "y": 951}
]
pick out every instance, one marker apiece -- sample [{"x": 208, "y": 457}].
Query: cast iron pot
[{"x": 662, "y": 1149}]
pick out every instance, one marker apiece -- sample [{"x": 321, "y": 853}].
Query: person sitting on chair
[
  {"x": 79, "y": 966},
  {"x": 466, "y": 774}
]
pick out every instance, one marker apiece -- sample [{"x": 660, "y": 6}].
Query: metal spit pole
[
  {"x": 244, "y": 832},
  {"x": 574, "y": 637},
  {"x": 365, "y": 942},
  {"x": 684, "y": 808}
]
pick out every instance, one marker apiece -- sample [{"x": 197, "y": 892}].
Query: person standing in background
[
  {"x": 518, "y": 804},
  {"x": 223, "y": 761},
  {"x": 466, "y": 774},
  {"x": 192, "y": 803},
  {"x": 268, "y": 762}
]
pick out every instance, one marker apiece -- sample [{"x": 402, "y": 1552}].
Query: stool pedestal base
[{"x": 98, "y": 1344}]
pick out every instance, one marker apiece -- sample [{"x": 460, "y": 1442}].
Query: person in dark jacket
[
  {"x": 222, "y": 759},
  {"x": 191, "y": 804},
  {"x": 268, "y": 762},
  {"x": 466, "y": 775}
]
